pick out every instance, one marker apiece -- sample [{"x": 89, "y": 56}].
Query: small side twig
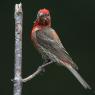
[{"x": 40, "y": 68}]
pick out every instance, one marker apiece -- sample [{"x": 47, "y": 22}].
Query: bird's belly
[{"x": 45, "y": 52}]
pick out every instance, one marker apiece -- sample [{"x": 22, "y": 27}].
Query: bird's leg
[{"x": 45, "y": 58}]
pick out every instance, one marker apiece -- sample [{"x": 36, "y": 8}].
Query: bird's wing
[{"x": 49, "y": 40}]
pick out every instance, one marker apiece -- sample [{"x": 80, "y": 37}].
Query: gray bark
[{"x": 18, "y": 50}]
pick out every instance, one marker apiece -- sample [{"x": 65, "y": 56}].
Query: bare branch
[
  {"x": 18, "y": 49},
  {"x": 40, "y": 68}
]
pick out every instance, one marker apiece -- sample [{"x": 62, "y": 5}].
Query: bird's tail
[{"x": 78, "y": 76}]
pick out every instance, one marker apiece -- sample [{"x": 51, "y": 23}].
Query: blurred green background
[{"x": 74, "y": 21}]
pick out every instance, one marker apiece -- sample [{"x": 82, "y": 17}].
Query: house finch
[{"x": 50, "y": 47}]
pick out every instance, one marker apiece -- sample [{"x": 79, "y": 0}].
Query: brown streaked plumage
[{"x": 50, "y": 47}]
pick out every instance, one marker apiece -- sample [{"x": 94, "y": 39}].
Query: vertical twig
[{"x": 18, "y": 49}]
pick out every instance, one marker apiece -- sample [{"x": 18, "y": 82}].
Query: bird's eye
[
  {"x": 39, "y": 14},
  {"x": 47, "y": 14}
]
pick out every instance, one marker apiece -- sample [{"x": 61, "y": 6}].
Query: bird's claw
[{"x": 41, "y": 68}]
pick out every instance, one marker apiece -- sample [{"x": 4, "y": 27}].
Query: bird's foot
[{"x": 42, "y": 68}]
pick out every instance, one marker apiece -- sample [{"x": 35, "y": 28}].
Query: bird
[{"x": 49, "y": 45}]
